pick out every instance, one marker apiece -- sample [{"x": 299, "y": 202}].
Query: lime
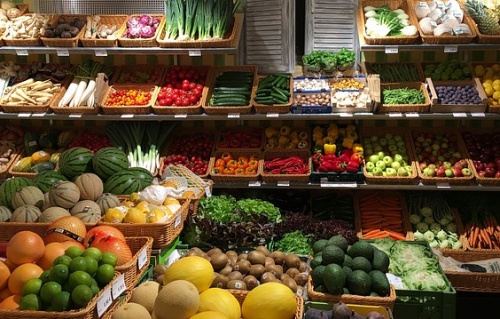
[
  {"x": 59, "y": 273},
  {"x": 30, "y": 302},
  {"x": 45, "y": 276},
  {"x": 79, "y": 278},
  {"x": 93, "y": 252},
  {"x": 78, "y": 263},
  {"x": 63, "y": 259},
  {"x": 62, "y": 301},
  {"x": 73, "y": 251},
  {"x": 81, "y": 295},
  {"x": 109, "y": 258},
  {"x": 104, "y": 274},
  {"x": 91, "y": 265},
  {"x": 49, "y": 290},
  {"x": 95, "y": 287},
  {"x": 32, "y": 286}
]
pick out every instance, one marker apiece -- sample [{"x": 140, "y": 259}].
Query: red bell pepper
[{"x": 357, "y": 157}]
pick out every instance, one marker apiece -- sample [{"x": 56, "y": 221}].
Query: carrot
[
  {"x": 395, "y": 235},
  {"x": 372, "y": 231}
]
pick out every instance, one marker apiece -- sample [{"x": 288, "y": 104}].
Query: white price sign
[
  {"x": 142, "y": 259},
  {"x": 104, "y": 301},
  {"x": 283, "y": 183},
  {"x": 24, "y": 114},
  {"x": 22, "y": 52},
  {"x": 127, "y": 116},
  {"x": 391, "y": 50},
  {"x": 118, "y": 286},
  {"x": 75, "y": 115},
  {"x": 180, "y": 116},
  {"x": 194, "y": 53},
  {"x": 395, "y": 281},
  {"x": 450, "y": 49},
  {"x": 174, "y": 256},
  {"x": 62, "y": 52},
  {"x": 233, "y": 115},
  {"x": 100, "y": 52},
  {"x": 460, "y": 114},
  {"x": 272, "y": 115},
  {"x": 395, "y": 114},
  {"x": 254, "y": 184},
  {"x": 178, "y": 221}
]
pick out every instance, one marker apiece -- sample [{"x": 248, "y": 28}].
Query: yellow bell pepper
[
  {"x": 329, "y": 148},
  {"x": 357, "y": 148},
  {"x": 271, "y": 132},
  {"x": 328, "y": 140},
  {"x": 350, "y": 127},
  {"x": 347, "y": 142}
]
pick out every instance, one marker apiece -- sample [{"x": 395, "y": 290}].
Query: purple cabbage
[
  {"x": 146, "y": 20},
  {"x": 134, "y": 32},
  {"x": 132, "y": 22},
  {"x": 147, "y": 31},
  {"x": 156, "y": 22}
]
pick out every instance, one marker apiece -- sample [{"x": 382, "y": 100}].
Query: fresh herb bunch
[
  {"x": 345, "y": 57},
  {"x": 218, "y": 208},
  {"x": 295, "y": 242},
  {"x": 320, "y": 58},
  {"x": 250, "y": 206}
]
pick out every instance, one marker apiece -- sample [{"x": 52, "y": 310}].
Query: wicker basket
[
  {"x": 274, "y": 108},
  {"x": 351, "y": 299},
  {"x": 241, "y": 295},
  {"x": 481, "y": 179},
  {"x": 141, "y": 249},
  {"x": 380, "y": 132},
  {"x": 109, "y": 20},
  {"x": 141, "y": 43},
  {"x": 246, "y": 133},
  {"x": 14, "y": 173},
  {"x": 481, "y": 38},
  {"x": 130, "y": 109},
  {"x": 5, "y": 172},
  {"x": 157, "y": 71},
  {"x": 162, "y": 233},
  {"x": 436, "y": 107},
  {"x": 42, "y": 108},
  {"x": 28, "y": 42},
  {"x": 405, "y": 217},
  {"x": 420, "y": 108},
  {"x": 227, "y": 178},
  {"x": 63, "y": 42},
  {"x": 123, "y": 299},
  {"x": 392, "y": 4},
  {"x": 272, "y": 154},
  {"x": 214, "y": 73}
]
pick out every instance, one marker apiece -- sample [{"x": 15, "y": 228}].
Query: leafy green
[
  {"x": 250, "y": 206},
  {"x": 218, "y": 208},
  {"x": 320, "y": 58},
  {"x": 295, "y": 242},
  {"x": 345, "y": 57}
]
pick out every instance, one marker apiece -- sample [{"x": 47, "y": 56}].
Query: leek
[{"x": 191, "y": 8}]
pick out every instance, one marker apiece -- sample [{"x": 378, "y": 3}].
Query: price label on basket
[
  {"x": 22, "y": 52},
  {"x": 233, "y": 115},
  {"x": 283, "y": 183},
  {"x": 450, "y": 49},
  {"x": 76, "y": 115},
  {"x": 346, "y": 114},
  {"x": 178, "y": 220},
  {"x": 412, "y": 115},
  {"x": 100, "y": 52},
  {"x": 395, "y": 281},
  {"x": 142, "y": 259},
  {"x": 194, "y": 52},
  {"x": 459, "y": 114},
  {"x": 24, "y": 114},
  {"x": 272, "y": 115},
  {"x": 442, "y": 185},
  {"x": 127, "y": 116},
  {"x": 118, "y": 286},
  {"x": 62, "y": 52},
  {"x": 478, "y": 114},
  {"x": 180, "y": 116},
  {"x": 391, "y": 50},
  {"x": 395, "y": 114},
  {"x": 254, "y": 184},
  {"x": 208, "y": 192},
  {"x": 38, "y": 114},
  {"x": 174, "y": 256},
  {"x": 104, "y": 301}
]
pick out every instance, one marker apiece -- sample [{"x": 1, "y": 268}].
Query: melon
[
  {"x": 178, "y": 299},
  {"x": 123, "y": 183},
  {"x": 131, "y": 310},
  {"x": 109, "y": 160},
  {"x": 46, "y": 179},
  {"x": 209, "y": 315},
  {"x": 46, "y": 202},
  {"x": 107, "y": 201},
  {"x": 28, "y": 195},
  {"x": 66, "y": 228},
  {"x": 5, "y": 214},
  {"x": 53, "y": 213},
  {"x": 88, "y": 211},
  {"x": 25, "y": 214},
  {"x": 194, "y": 269},
  {"x": 64, "y": 194},
  {"x": 75, "y": 161},
  {"x": 145, "y": 294},
  {"x": 10, "y": 187},
  {"x": 220, "y": 300},
  {"x": 90, "y": 186},
  {"x": 270, "y": 300}
]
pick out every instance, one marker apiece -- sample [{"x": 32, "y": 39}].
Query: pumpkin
[
  {"x": 220, "y": 300},
  {"x": 107, "y": 201},
  {"x": 194, "y": 269},
  {"x": 25, "y": 214},
  {"x": 90, "y": 186},
  {"x": 40, "y": 157},
  {"x": 53, "y": 213},
  {"x": 5, "y": 213},
  {"x": 64, "y": 194},
  {"x": 28, "y": 195},
  {"x": 271, "y": 300},
  {"x": 88, "y": 211}
]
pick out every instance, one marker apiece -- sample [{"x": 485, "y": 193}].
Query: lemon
[
  {"x": 170, "y": 200},
  {"x": 496, "y": 67},
  {"x": 114, "y": 215},
  {"x": 156, "y": 215},
  {"x": 128, "y": 203},
  {"x": 135, "y": 216},
  {"x": 496, "y": 95},
  {"x": 143, "y": 206},
  {"x": 134, "y": 197},
  {"x": 489, "y": 90}
]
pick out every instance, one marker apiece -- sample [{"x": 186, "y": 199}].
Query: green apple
[
  {"x": 402, "y": 171},
  {"x": 369, "y": 166},
  {"x": 382, "y": 141},
  {"x": 381, "y": 154},
  {"x": 381, "y": 164},
  {"x": 398, "y": 158},
  {"x": 374, "y": 138},
  {"x": 377, "y": 171},
  {"x": 391, "y": 141},
  {"x": 387, "y": 160},
  {"x": 388, "y": 136},
  {"x": 377, "y": 148},
  {"x": 401, "y": 143},
  {"x": 402, "y": 150},
  {"x": 395, "y": 165},
  {"x": 449, "y": 172},
  {"x": 398, "y": 137},
  {"x": 373, "y": 158},
  {"x": 392, "y": 148},
  {"x": 389, "y": 171}
]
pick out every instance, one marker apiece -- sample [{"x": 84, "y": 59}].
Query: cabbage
[
  {"x": 146, "y": 19},
  {"x": 134, "y": 32},
  {"x": 132, "y": 22},
  {"x": 147, "y": 31},
  {"x": 156, "y": 22}
]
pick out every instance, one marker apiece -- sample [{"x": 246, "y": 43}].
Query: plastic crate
[
  {"x": 311, "y": 109},
  {"x": 361, "y": 309},
  {"x": 412, "y": 304}
]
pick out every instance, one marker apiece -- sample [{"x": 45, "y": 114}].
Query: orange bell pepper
[
  {"x": 239, "y": 171},
  {"x": 242, "y": 158},
  {"x": 232, "y": 163},
  {"x": 242, "y": 164},
  {"x": 226, "y": 156},
  {"x": 251, "y": 170},
  {"x": 220, "y": 163},
  {"x": 253, "y": 163},
  {"x": 228, "y": 171}
]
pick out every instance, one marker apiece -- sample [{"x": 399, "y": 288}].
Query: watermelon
[
  {"x": 46, "y": 179},
  {"x": 10, "y": 187},
  {"x": 122, "y": 183},
  {"x": 75, "y": 161},
  {"x": 109, "y": 160},
  {"x": 143, "y": 175}
]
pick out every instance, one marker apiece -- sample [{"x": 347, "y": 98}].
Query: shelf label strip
[
  {"x": 391, "y": 50},
  {"x": 100, "y": 52},
  {"x": 22, "y": 52}
]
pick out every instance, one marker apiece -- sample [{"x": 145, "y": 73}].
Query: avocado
[
  {"x": 334, "y": 278},
  {"x": 361, "y": 248},
  {"x": 361, "y": 263},
  {"x": 321, "y": 288},
  {"x": 347, "y": 260},
  {"x": 347, "y": 272},
  {"x": 380, "y": 283},
  {"x": 332, "y": 255},
  {"x": 317, "y": 274},
  {"x": 359, "y": 283},
  {"x": 316, "y": 261},
  {"x": 339, "y": 241},
  {"x": 380, "y": 260},
  {"x": 319, "y": 245}
]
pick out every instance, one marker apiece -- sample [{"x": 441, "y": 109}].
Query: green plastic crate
[
  {"x": 413, "y": 304},
  {"x": 160, "y": 256}
]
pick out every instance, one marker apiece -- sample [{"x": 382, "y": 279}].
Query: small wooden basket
[
  {"x": 231, "y": 178},
  {"x": 271, "y": 154},
  {"x": 417, "y": 68},
  {"x": 437, "y": 107},
  {"x": 129, "y": 109},
  {"x": 62, "y": 42},
  {"x": 420, "y": 108},
  {"x": 133, "y": 269},
  {"x": 274, "y": 108},
  {"x": 42, "y": 108},
  {"x": 28, "y": 42},
  {"x": 140, "y": 42},
  {"x": 109, "y": 20},
  {"x": 241, "y": 295}
]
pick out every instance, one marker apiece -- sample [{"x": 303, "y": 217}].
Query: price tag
[
  {"x": 24, "y": 114},
  {"x": 38, "y": 114},
  {"x": 391, "y": 50},
  {"x": 327, "y": 184},
  {"x": 208, "y": 193},
  {"x": 32, "y": 143},
  {"x": 272, "y": 115},
  {"x": 174, "y": 256},
  {"x": 62, "y": 52},
  {"x": 479, "y": 114},
  {"x": 100, "y": 52},
  {"x": 180, "y": 116},
  {"x": 22, "y": 52},
  {"x": 347, "y": 185},
  {"x": 118, "y": 286},
  {"x": 450, "y": 49},
  {"x": 364, "y": 113},
  {"x": 283, "y": 183},
  {"x": 254, "y": 184},
  {"x": 233, "y": 115},
  {"x": 75, "y": 115},
  {"x": 412, "y": 115},
  {"x": 178, "y": 221},
  {"x": 345, "y": 114},
  {"x": 142, "y": 259},
  {"x": 460, "y": 114},
  {"x": 104, "y": 302},
  {"x": 395, "y": 281},
  {"x": 194, "y": 52},
  {"x": 395, "y": 114},
  {"x": 127, "y": 116},
  {"x": 443, "y": 185}
]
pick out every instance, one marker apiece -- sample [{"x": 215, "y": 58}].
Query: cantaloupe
[
  {"x": 178, "y": 299},
  {"x": 145, "y": 294},
  {"x": 25, "y": 214},
  {"x": 52, "y": 213},
  {"x": 28, "y": 195},
  {"x": 88, "y": 211},
  {"x": 131, "y": 310}
]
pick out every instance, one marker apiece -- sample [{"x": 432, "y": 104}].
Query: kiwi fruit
[
  {"x": 278, "y": 257},
  {"x": 256, "y": 257},
  {"x": 235, "y": 275},
  {"x": 283, "y": 276},
  {"x": 267, "y": 277},
  {"x": 302, "y": 266},
  {"x": 242, "y": 256},
  {"x": 257, "y": 270},
  {"x": 300, "y": 279},
  {"x": 292, "y": 260},
  {"x": 159, "y": 279},
  {"x": 219, "y": 261},
  {"x": 250, "y": 281},
  {"x": 276, "y": 270},
  {"x": 226, "y": 270},
  {"x": 263, "y": 250},
  {"x": 195, "y": 251},
  {"x": 290, "y": 283},
  {"x": 269, "y": 261},
  {"x": 233, "y": 259},
  {"x": 231, "y": 253},
  {"x": 243, "y": 266},
  {"x": 159, "y": 269},
  {"x": 220, "y": 281},
  {"x": 292, "y": 272},
  {"x": 300, "y": 291},
  {"x": 237, "y": 284},
  {"x": 214, "y": 251}
]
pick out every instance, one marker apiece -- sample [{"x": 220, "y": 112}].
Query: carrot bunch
[
  {"x": 381, "y": 215},
  {"x": 483, "y": 235}
]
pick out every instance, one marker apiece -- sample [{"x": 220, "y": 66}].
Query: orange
[
  {"x": 52, "y": 251},
  {"x": 10, "y": 265},
  {"x": 22, "y": 274},
  {"x": 11, "y": 302},
  {"x": 4, "y": 275},
  {"x": 25, "y": 247}
]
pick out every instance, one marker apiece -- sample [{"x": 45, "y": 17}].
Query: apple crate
[
  {"x": 438, "y": 107},
  {"x": 482, "y": 134}
]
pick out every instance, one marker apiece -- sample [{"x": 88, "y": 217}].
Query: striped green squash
[
  {"x": 75, "y": 161},
  {"x": 122, "y": 183},
  {"x": 10, "y": 187},
  {"x": 143, "y": 175},
  {"x": 109, "y": 160},
  {"x": 46, "y": 179}
]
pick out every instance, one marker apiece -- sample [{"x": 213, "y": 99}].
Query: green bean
[{"x": 403, "y": 96}]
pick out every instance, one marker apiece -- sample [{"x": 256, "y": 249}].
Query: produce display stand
[{"x": 436, "y": 107}]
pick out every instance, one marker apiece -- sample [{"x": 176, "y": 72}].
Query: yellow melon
[
  {"x": 178, "y": 299},
  {"x": 209, "y": 315},
  {"x": 131, "y": 310},
  {"x": 194, "y": 269},
  {"x": 145, "y": 294},
  {"x": 220, "y": 300}
]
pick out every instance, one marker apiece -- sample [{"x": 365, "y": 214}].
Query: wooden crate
[{"x": 437, "y": 107}]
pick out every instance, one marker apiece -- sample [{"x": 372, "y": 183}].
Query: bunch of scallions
[
  {"x": 142, "y": 141},
  {"x": 198, "y": 19},
  {"x": 382, "y": 22}
]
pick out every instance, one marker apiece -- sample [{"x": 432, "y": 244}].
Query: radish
[
  {"x": 89, "y": 90},
  {"x": 78, "y": 94},
  {"x": 70, "y": 92}
]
